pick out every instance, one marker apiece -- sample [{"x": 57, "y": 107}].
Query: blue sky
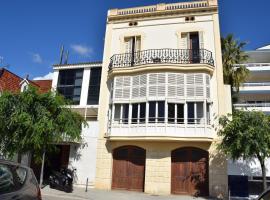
[{"x": 32, "y": 31}]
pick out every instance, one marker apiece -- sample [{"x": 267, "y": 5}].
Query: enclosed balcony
[{"x": 162, "y": 56}]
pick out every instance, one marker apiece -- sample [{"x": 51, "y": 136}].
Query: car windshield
[
  {"x": 12, "y": 178},
  {"x": 266, "y": 196}
]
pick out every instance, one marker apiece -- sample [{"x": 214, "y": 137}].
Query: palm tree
[{"x": 234, "y": 71}]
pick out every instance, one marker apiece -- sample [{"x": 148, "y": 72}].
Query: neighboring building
[
  {"x": 245, "y": 177},
  {"x": 161, "y": 95},
  {"x": 14, "y": 83},
  {"x": 255, "y": 93},
  {"x": 79, "y": 83}
]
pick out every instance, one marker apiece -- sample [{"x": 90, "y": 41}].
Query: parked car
[
  {"x": 265, "y": 195},
  {"x": 18, "y": 182}
]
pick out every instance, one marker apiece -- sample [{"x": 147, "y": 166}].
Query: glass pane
[
  {"x": 171, "y": 112},
  {"x": 94, "y": 86},
  {"x": 68, "y": 80},
  {"x": 117, "y": 110},
  {"x": 208, "y": 113},
  {"x": 142, "y": 112},
  {"x": 190, "y": 106},
  {"x": 7, "y": 183},
  {"x": 125, "y": 112},
  {"x": 152, "y": 111},
  {"x": 134, "y": 113},
  {"x": 200, "y": 114},
  {"x": 180, "y": 113},
  {"x": 161, "y": 111}
]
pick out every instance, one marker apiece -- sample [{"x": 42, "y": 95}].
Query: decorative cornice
[{"x": 161, "y": 10}]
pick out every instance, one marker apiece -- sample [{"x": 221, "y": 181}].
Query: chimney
[{"x": 213, "y": 2}]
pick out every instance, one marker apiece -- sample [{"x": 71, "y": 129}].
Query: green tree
[
  {"x": 246, "y": 134},
  {"x": 32, "y": 122},
  {"x": 234, "y": 70}
]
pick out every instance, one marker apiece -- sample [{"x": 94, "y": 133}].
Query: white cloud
[
  {"x": 82, "y": 50},
  {"x": 36, "y": 58},
  {"x": 46, "y": 77}
]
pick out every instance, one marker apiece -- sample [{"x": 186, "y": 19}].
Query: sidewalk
[{"x": 95, "y": 194}]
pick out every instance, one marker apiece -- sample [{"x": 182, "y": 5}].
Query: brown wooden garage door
[
  {"x": 190, "y": 172},
  {"x": 128, "y": 168}
]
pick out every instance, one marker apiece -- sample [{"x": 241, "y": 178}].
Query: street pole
[{"x": 42, "y": 168}]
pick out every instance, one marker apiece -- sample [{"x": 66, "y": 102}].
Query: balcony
[
  {"x": 161, "y": 129},
  {"x": 259, "y": 106},
  {"x": 256, "y": 88},
  {"x": 162, "y": 56}
]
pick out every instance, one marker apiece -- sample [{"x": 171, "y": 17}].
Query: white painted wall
[
  {"x": 83, "y": 157},
  {"x": 247, "y": 168},
  {"x": 162, "y": 33}
]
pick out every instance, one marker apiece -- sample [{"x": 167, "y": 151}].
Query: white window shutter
[
  {"x": 184, "y": 41},
  {"x": 190, "y": 91},
  {"x": 138, "y": 43},
  {"x": 201, "y": 39},
  {"x": 199, "y": 79},
  {"x": 199, "y": 91},
  {"x": 128, "y": 45}
]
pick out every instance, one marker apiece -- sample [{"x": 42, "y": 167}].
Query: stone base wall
[{"x": 158, "y": 165}]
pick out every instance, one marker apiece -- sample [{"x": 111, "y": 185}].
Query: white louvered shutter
[
  {"x": 201, "y": 39},
  {"x": 128, "y": 45},
  {"x": 207, "y": 81},
  {"x": 135, "y": 86},
  {"x": 184, "y": 41},
  {"x": 199, "y": 85},
  {"x": 126, "y": 87},
  {"x": 161, "y": 84},
  {"x": 138, "y": 43},
  {"x": 172, "y": 84},
  {"x": 143, "y": 83},
  {"x": 180, "y": 81},
  {"x": 152, "y": 85},
  {"x": 190, "y": 87}
]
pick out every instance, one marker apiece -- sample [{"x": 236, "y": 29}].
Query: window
[
  {"x": 138, "y": 113},
  {"x": 12, "y": 178},
  {"x": 152, "y": 112},
  {"x": 161, "y": 111},
  {"x": 94, "y": 86},
  {"x": 121, "y": 112},
  {"x": 180, "y": 113},
  {"x": 132, "y": 45},
  {"x": 175, "y": 113},
  {"x": 191, "y": 114},
  {"x": 117, "y": 113},
  {"x": 125, "y": 111},
  {"x": 135, "y": 113},
  {"x": 142, "y": 112},
  {"x": 171, "y": 112},
  {"x": 70, "y": 84}
]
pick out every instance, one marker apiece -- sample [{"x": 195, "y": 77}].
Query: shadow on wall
[
  {"x": 218, "y": 174},
  {"x": 75, "y": 156},
  {"x": 249, "y": 167}
]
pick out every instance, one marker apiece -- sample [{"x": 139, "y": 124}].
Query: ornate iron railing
[{"x": 157, "y": 56}]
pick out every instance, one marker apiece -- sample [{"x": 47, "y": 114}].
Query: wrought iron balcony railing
[{"x": 159, "y": 56}]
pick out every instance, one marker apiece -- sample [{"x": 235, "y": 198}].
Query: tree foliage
[
  {"x": 30, "y": 121},
  {"x": 247, "y": 136},
  {"x": 233, "y": 55}
]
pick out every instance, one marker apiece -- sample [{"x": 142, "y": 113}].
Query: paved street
[{"x": 94, "y": 194}]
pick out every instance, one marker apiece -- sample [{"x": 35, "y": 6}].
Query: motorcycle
[{"x": 62, "y": 180}]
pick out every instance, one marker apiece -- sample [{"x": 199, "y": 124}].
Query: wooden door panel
[
  {"x": 129, "y": 170},
  {"x": 190, "y": 172}
]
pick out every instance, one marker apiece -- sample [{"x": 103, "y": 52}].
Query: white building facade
[
  {"x": 245, "y": 177},
  {"x": 80, "y": 83},
  {"x": 162, "y": 92}
]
